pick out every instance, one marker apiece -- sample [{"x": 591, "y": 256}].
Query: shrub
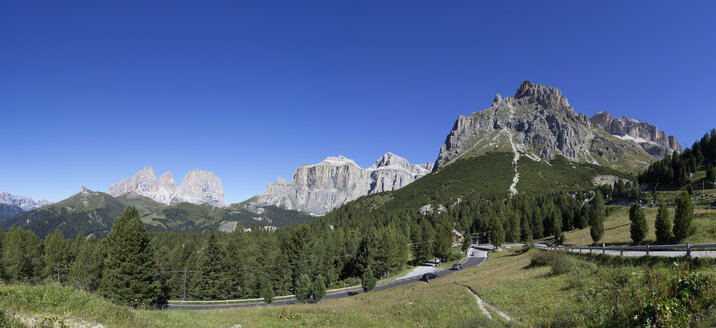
[{"x": 560, "y": 261}]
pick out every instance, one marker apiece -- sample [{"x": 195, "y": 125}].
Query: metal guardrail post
[
  {"x": 688, "y": 249},
  {"x": 621, "y": 251},
  {"x": 603, "y": 249},
  {"x": 647, "y": 249}
]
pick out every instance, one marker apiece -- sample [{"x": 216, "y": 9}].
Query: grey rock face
[
  {"x": 198, "y": 187},
  {"x": 655, "y": 142},
  {"x": 24, "y": 203},
  {"x": 319, "y": 188},
  {"x": 541, "y": 125}
]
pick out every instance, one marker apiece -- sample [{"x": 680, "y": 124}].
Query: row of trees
[
  {"x": 674, "y": 170},
  {"x": 683, "y": 221}
]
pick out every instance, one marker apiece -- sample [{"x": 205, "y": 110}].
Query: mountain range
[
  {"x": 530, "y": 142},
  {"x": 318, "y": 188},
  {"x": 198, "y": 187}
]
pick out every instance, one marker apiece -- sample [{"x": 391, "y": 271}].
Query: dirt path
[{"x": 484, "y": 307}]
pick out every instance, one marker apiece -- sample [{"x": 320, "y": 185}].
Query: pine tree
[
  {"x": 22, "y": 255},
  {"x": 267, "y": 291},
  {"x": 525, "y": 231},
  {"x": 318, "y": 288},
  {"x": 211, "y": 281},
  {"x": 129, "y": 272},
  {"x": 709, "y": 172},
  {"x": 86, "y": 270},
  {"x": 442, "y": 242},
  {"x": 557, "y": 228},
  {"x": 596, "y": 221},
  {"x": 368, "y": 280},
  {"x": 497, "y": 233},
  {"x": 683, "y": 219},
  {"x": 466, "y": 242},
  {"x": 302, "y": 288},
  {"x": 663, "y": 224},
  {"x": 56, "y": 254},
  {"x": 639, "y": 228}
]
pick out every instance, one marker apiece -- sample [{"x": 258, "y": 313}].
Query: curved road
[{"x": 480, "y": 255}]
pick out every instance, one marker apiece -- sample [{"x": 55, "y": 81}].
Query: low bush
[{"x": 560, "y": 261}]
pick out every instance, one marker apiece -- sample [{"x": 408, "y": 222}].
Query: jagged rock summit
[
  {"x": 198, "y": 187},
  {"x": 24, "y": 203},
  {"x": 655, "y": 142},
  {"x": 319, "y": 188},
  {"x": 538, "y": 122}
]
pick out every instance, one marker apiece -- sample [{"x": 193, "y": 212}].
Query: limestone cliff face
[
  {"x": 648, "y": 136},
  {"x": 540, "y": 124},
  {"x": 198, "y": 187},
  {"x": 318, "y": 188}
]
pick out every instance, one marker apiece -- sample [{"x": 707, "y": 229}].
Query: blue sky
[{"x": 91, "y": 92}]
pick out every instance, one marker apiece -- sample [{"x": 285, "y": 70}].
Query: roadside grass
[
  {"x": 438, "y": 304},
  {"x": 583, "y": 295},
  {"x": 616, "y": 228}
]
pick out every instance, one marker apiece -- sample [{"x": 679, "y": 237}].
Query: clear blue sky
[{"x": 91, "y": 92}]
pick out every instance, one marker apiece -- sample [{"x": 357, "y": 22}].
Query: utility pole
[
  {"x": 180, "y": 271},
  {"x": 58, "y": 272}
]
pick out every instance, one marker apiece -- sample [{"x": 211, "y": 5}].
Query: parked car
[
  {"x": 429, "y": 276},
  {"x": 457, "y": 266}
]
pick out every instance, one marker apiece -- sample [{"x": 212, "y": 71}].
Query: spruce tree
[
  {"x": 466, "y": 242},
  {"x": 129, "y": 272},
  {"x": 368, "y": 280},
  {"x": 302, "y": 288},
  {"x": 525, "y": 231},
  {"x": 442, "y": 242},
  {"x": 683, "y": 218},
  {"x": 318, "y": 288},
  {"x": 497, "y": 233},
  {"x": 86, "y": 270},
  {"x": 56, "y": 254},
  {"x": 22, "y": 256},
  {"x": 639, "y": 228},
  {"x": 596, "y": 219},
  {"x": 663, "y": 224},
  {"x": 267, "y": 291},
  {"x": 211, "y": 281}
]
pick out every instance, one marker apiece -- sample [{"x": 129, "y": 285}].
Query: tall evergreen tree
[
  {"x": 302, "y": 288},
  {"x": 596, "y": 220},
  {"x": 129, "y": 272},
  {"x": 639, "y": 228},
  {"x": 525, "y": 231},
  {"x": 22, "y": 255},
  {"x": 497, "y": 233},
  {"x": 211, "y": 281},
  {"x": 663, "y": 224},
  {"x": 86, "y": 270},
  {"x": 683, "y": 218},
  {"x": 318, "y": 288},
  {"x": 368, "y": 280},
  {"x": 56, "y": 255},
  {"x": 442, "y": 241}
]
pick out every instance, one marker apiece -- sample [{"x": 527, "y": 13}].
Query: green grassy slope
[{"x": 485, "y": 175}]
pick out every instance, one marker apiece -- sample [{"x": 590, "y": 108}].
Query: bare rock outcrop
[
  {"x": 198, "y": 187},
  {"x": 319, "y": 188},
  {"x": 648, "y": 136}
]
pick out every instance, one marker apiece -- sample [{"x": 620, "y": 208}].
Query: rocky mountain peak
[
  {"x": 318, "y": 188},
  {"x": 24, "y": 203},
  {"x": 539, "y": 123},
  {"x": 648, "y": 136},
  {"x": 198, "y": 187}
]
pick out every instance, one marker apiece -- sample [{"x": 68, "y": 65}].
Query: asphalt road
[{"x": 479, "y": 257}]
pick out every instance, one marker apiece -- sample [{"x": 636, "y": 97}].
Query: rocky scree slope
[{"x": 319, "y": 188}]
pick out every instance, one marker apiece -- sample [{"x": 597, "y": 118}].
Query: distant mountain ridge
[
  {"x": 648, "y": 136},
  {"x": 318, "y": 188},
  {"x": 24, "y": 203},
  {"x": 198, "y": 187}
]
